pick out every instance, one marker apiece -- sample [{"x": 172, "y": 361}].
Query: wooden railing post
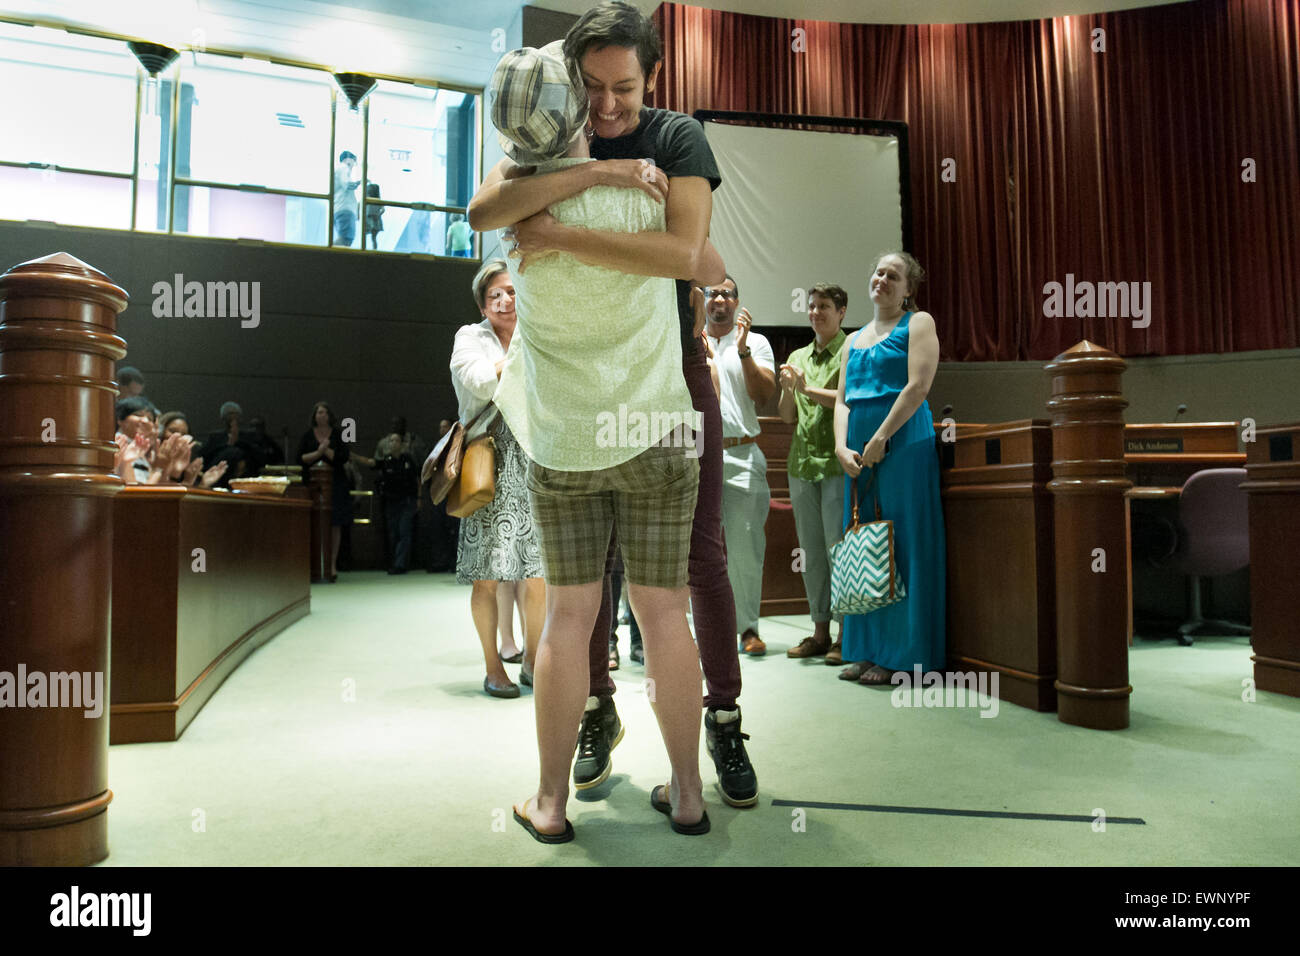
[
  {"x": 58, "y": 343},
  {"x": 1092, "y": 588}
]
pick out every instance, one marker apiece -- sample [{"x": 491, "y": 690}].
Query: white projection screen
[{"x": 798, "y": 207}]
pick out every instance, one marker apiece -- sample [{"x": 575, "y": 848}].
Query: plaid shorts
[{"x": 650, "y": 502}]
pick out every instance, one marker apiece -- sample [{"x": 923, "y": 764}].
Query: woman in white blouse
[{"x": 497, "y": 542}]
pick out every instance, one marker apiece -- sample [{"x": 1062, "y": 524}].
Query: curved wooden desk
[{"x": 183, "y": 621}]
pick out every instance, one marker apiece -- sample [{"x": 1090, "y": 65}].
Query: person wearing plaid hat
[
  {"x": 569, "y": 401},
  {"x": 618, "y": 55}
]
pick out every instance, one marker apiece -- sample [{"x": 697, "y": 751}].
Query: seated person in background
[
  {"x": 142, "y": 459},
  {"x": 262, "y": 450},
  {"x": 130, "y": 382},
  {"x": 229, "y": 445},
  {"x": 136, "y": 439}
]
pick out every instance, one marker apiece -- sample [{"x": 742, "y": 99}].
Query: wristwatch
[{"x": 745, "y": 354}]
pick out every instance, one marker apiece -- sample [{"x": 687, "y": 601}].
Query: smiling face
[
  {"x": 177, "y": 426},
  {"x": 499, "y": 303},
  {"x": 889, "y": 285},
  {"x": 824, "y": 317},
  {"x": 135, "y": 423},
  {"x": 720, "y": 305},
  {"x": 616, "y": 88}
]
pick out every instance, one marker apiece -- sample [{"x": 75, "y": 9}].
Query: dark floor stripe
[{"x": 943, "y": 812}]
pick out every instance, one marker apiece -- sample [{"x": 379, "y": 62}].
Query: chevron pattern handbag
[{"x": 864, "y": 574}]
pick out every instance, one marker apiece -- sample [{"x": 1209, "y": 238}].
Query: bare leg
[
  {"x": 533, "y": 607},
  {"x": 672, "y": 666},
  {"x": 559, "y": 693},
  {"x": 506, "y": 618},
  {"x": 483, "y": 606}
]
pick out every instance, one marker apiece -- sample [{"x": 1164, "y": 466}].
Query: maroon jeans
[{"x": 713, "y": 609}]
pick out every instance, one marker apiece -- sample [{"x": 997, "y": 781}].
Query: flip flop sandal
[
  {"x": 876, "y": 676},
  {"x": 854, "y": 671},
  {"x": 657, "y": 801},
  {"x": 527, "y": 824}
]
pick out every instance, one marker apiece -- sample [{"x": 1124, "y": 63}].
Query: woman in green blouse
[{"x": 809, "y": 381}]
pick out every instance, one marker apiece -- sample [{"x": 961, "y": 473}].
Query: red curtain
[{"x": 1127, "y": 165}]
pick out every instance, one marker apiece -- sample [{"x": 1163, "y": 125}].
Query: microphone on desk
[{"x": 1181, "y": 409}]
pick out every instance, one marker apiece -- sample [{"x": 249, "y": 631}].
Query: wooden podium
[
  {"x": 783, "y": 591},
  {"x": 1091, "y": 537},
  {"x": 1273, "y": 485},
  {"x": 1001, "y": 562},
  {"x": 58, "y": 343}
]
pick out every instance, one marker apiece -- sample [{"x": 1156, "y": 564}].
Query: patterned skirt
[{"x": 498, "y": 542}]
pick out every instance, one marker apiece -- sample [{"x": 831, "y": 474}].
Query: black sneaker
[
  {"x": 726, "y": 744},
  {"x": 600, "y": 733}
]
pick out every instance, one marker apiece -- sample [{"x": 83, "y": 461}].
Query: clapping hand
[
  {"x": 213, "y": 474},
  {"x": 173, "y": 456},
  {"x": 130, "y": 450},
  {"x": 192, "y": 471},
  {"x": 792, "y": 378},
  {"x": 743, "y": 321}
]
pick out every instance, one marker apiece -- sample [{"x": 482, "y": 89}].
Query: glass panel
[
  {"x": 349, "y": 137},
  {"x": 73, "y": 199},
  {"x": 232, "y": 214},
  {"x": 155, "y": 152},
  {"x": 419, "y": 230},
  {"x": 423, "y": 144},
  {"x": 68, "y": 100},
  {"x": 254, "y": 123}
]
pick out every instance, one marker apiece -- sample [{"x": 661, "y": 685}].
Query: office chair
[{"x": 1213, "y": 539}]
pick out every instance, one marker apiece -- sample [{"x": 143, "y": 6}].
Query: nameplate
[{"x": 1153, "y": 446}]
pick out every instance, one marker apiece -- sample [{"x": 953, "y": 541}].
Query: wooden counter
[{"x": 200, "y": 580}]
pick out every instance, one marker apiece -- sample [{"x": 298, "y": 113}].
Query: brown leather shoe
[
  {"x": 809, "y": 647},
  {"x": 753, "y": 645},
  {"x": 836, "y": 654}
]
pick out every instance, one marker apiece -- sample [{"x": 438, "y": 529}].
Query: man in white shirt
[{"x": 747, "y": 371}]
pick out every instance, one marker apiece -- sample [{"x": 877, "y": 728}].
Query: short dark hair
[
  {"x": 734, "y": 283},
  {"x": 614, "y": 24},
  {"x": 346, "y": 155},
  {"x": 832, "y": 292},
  {"x": 126, "y": 407},
  {"x": 129, "y": 375}
]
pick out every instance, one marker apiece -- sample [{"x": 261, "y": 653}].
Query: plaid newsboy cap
[{"x": 537, "y": 105}]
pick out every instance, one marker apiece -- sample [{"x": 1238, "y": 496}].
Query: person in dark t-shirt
[{"x": 618, "y": 55}]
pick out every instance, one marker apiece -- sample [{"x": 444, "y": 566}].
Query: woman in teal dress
[{"x": 883, "y": 427}]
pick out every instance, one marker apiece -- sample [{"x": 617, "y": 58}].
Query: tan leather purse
[{"x": 477, "y": 483}]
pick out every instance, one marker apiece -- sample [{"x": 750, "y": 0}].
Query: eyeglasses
[{"x": 720, "y": 293}]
